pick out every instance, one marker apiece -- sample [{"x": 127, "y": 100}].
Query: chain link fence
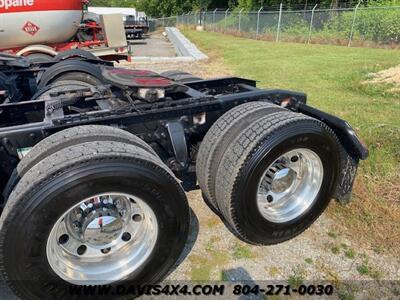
[{"x": 357, "y": 26}]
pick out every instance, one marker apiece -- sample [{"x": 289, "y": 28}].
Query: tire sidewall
[
  {"x": 254, "y": 226},
  {"x": 78, "y": 76},
  {"x": 25, "y": 245}
]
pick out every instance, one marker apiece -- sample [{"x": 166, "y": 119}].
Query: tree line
[{"x": 160, "y": 8}]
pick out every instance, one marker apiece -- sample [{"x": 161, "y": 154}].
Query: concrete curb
[
  {"x": 183, "y": 47},
  {"x": 149, "y": 59}
]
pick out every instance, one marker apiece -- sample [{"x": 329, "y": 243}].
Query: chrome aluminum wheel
[
  {"x": 290, "y": 185},
  {"x": 102, "y": 239}
]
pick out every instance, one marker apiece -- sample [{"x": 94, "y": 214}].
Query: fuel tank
[{"x": 29, "y": 22}]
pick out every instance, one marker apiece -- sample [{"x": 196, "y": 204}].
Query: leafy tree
[{"x": 159, "y": 8}]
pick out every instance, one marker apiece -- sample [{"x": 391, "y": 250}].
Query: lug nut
[
  {"x": 81, "y": 250},
  {"x": 294, "y": 158},
  {"x": 270, "y": 199},
  {"x": 63, "y": 239},
  {"x": 75, "y": 226},
  {"x": 106, "y": 250},
  {"x": 126, "y": 236},
  {"x": 137, "y": 218}
]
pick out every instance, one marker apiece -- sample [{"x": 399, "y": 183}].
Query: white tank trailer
[{"x": 28, "y": 22}]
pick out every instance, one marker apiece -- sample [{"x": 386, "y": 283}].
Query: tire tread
[
  {"x": 77, "y": 135},
  {"x": 241, "y": 150},
  {"x": 62, "y": 162},
  {"x": 218, "y": 139}
]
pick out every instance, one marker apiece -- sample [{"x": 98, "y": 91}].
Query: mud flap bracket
[{"x": 179, "y": 145}]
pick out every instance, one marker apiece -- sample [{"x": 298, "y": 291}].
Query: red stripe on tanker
[
  {"x": 33, "y": 22},
  {"x": 15, "y": 6}
]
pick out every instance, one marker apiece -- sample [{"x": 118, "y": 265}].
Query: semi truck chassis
[{"x": 225, "y": 136}]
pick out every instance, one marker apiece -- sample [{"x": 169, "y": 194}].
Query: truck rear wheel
[
  {"x": 93, "y": 213},
  {"x": 37, "y": 58},
  {"x": 69, "y": 137},
  {"x": 58, "y": 87},
  {"x": 219, "y": 138},
  {"x": 78, "y": 76},
  {"x": 77, "y": 135},
  {"x": 277, "y": 177},
  {"x": 74, "y": 54},
  {"x": 75, "y": 70}
]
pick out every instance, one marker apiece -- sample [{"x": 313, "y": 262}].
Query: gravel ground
[
  {"x": 213, "y": 253},
  {"x": 203, "y": 69},
  {"x": 156, "y": 45}
]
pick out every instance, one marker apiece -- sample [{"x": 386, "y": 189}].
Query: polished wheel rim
[
  {"x": 102, "y": 239},
  {"x": 290, "y": 185}
]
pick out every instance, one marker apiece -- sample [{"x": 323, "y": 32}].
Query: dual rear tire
[
  {"x": 269, "y": 172},
  {"x": 102, "y": 211}
]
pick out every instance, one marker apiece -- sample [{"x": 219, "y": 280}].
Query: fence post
[
  {"x": 198, "y": 19},
  {"x": 354, "y": 22},
  {"x": 279, "y": 23},
  {"x": 240, "y": 19},
  {"x": 311, "y": 23},
  {"x": 214, "y": 18},
  {"x": 258, "y": 20},
  {"x": 226, "y": 17}
]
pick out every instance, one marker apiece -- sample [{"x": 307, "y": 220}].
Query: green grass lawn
[{"x": 333, "y": 77}]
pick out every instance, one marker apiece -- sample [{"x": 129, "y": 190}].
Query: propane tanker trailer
[{"x": 40, "y": 29}]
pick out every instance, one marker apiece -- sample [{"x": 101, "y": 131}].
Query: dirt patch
[
  {"x": 373, "y": 215},
  {"x": 323, "y": 252},
  {"x": 214, "y": 67},
  {"x": 389, "y": 76}
]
